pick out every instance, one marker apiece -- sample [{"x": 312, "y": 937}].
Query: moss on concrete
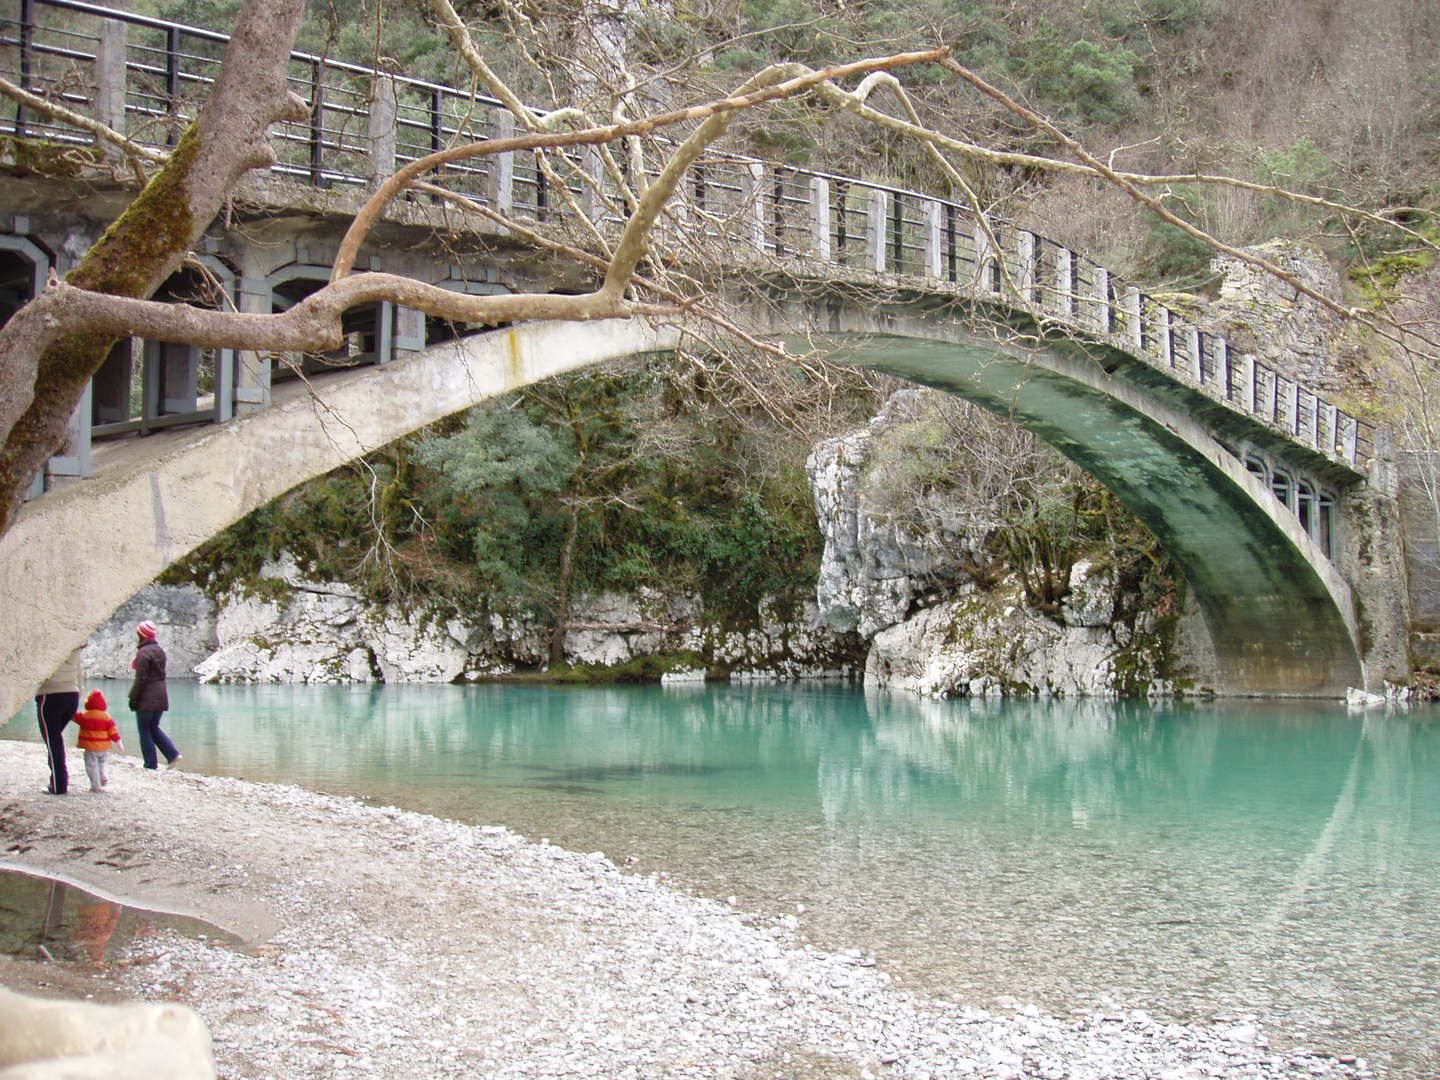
[{"x": 54, "y": 161}]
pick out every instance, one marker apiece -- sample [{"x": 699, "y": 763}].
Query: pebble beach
[{"x": 372, "y": 941}]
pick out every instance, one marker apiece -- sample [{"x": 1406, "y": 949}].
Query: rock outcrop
[
  {"x": 288, "y": 628},
  {"x": 981, "y": 644},
  {"x": 934, "y": 631},
  {"x": 186, "y": 618},
  {"x": 1263, "y": 317},
  {"x": 873, "y": 570}
]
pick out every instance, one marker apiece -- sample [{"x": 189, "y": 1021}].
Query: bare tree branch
[
  {"x": 46, "y": 107},
  {"x": 802, "y": 79}
]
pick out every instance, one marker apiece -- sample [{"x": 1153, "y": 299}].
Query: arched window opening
[
  {"x": 1283, "y": 488},
  {"x": 144, "y": 385},
  {"x": 24, "y": 266},
  {"x": 438, "y": 330},
  {"x": 1325, "y": 523},
  {"x": 368, "y": 329},
  {"x": 22, "y": 275},
  {"x": 1307, "y": 509}
]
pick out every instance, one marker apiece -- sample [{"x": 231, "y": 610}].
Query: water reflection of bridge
[{"x": 1259, "y": 487}]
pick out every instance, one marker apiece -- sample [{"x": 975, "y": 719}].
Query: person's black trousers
[{"x": 55, "y": 711}]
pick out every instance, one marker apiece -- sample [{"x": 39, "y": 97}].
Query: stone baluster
[
  {"x": 1249, "y": 389},
  {"x": 752, "y": 197},
  {"x": 252, "y": 369},
  {"x": 502, "y": 166},
  {"x": 934, "y": 240},
  {"x": 1166, "y": 335},
  {"x": 1104, "y": 320},
  {"x": 876, "y": 211},
  {"x": 384, "y": 110},
  {"x": 1065, "y": 283},
  {"x": 409, "y": 336},
  {"x": 1349, "y": 438},
  {"x": 1222, "y": 366},
  {"x": 820, "y": 218},
  {"x": 593, "y": 166},
  {"x": 1292, "y": 402},
  {"x": 1025, "y": 265},
  {"x": 110, "y": 75},
  {"x": 1313, "y": 428},
  {"x": 1134, "y": 325},
  {"x": 986, "y": 258},
  {"x": 1195, "y": 347}
]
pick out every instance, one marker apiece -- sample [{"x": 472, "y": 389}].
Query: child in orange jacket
[{"x": 97, "y": 733}]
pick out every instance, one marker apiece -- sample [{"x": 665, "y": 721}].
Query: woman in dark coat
[{"x": 149, "y": 698}]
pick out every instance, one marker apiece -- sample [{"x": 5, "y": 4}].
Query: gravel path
[{"x": 397, "y": 945}]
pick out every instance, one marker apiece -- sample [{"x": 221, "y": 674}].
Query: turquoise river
[{"x": 1225, "y": 859}]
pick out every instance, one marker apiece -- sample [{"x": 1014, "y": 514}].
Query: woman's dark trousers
[
  {"x": 151, "y": 736},
  {"x": 55, "y": 711}
]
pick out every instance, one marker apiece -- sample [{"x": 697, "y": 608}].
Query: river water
[{"x": 1222, "y": 859}]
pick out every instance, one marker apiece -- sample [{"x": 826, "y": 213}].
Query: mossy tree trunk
[{"x": 39, "y": 389}]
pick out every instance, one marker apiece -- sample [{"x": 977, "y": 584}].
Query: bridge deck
[{"x": 149, "y": 77}]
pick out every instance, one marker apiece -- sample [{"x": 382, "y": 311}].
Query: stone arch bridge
[{"x": 1276, "y": 504}]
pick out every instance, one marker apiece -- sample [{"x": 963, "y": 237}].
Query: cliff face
[
  {"x": 296, "y": 630},
  {"x": 873, "y": 571},
  {"x": 933, "y": 630}
]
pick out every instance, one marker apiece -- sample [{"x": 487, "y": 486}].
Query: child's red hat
[{"x": 95, "y": 701}]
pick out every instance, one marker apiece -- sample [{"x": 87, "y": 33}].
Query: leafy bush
[{"x": 1092, "y": 82}]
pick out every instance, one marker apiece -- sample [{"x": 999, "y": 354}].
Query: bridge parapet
[{"x": 147, "y": 77}]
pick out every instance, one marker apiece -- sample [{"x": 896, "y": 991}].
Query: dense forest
[{"x": 669, "y": 473}]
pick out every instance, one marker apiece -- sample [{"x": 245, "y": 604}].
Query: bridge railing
[{"x": 147, "y": 77}]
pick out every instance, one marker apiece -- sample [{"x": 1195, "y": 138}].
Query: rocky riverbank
[
  {"x": 300, "y": 630},
  {"x": 398, "y": 945}
]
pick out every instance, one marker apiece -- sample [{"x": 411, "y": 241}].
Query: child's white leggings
[{"x": 95, "y": 767}]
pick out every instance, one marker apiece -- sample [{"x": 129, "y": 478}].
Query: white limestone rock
[
  {"x": 932, "y": 632},
  {"x": 413, "y": 646},
  {"x": 77, "y": 1040},
  {"x": 975, "y": 647},
  {"x": 1091, "y": 601},
  {"x": 689, "y": 675},
  {"x": 1357, "y": 698},
  {"x": 305, "y": 634},
  {"x": 187, "y": 621},
  {"x": 1263, "y": 317},
  {"x": 320, "y": 632},
  {"x": 613, "y": 628},
  {"x": 872, "y": 570}
]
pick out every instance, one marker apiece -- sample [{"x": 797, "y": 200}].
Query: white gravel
[{"x": 392, "y": 944}]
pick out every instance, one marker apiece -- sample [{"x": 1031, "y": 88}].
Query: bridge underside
[
  {"x": 1279, "y": 613},
  {"x": 76, "y": 554},
  {"x": 1276, "y": 609}
]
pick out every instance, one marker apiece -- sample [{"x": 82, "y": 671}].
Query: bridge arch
[
  {"x": 1281, "y": 615},
  {"x": 77, "y": 553},
  {"x": 1279, "y": 612}
]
